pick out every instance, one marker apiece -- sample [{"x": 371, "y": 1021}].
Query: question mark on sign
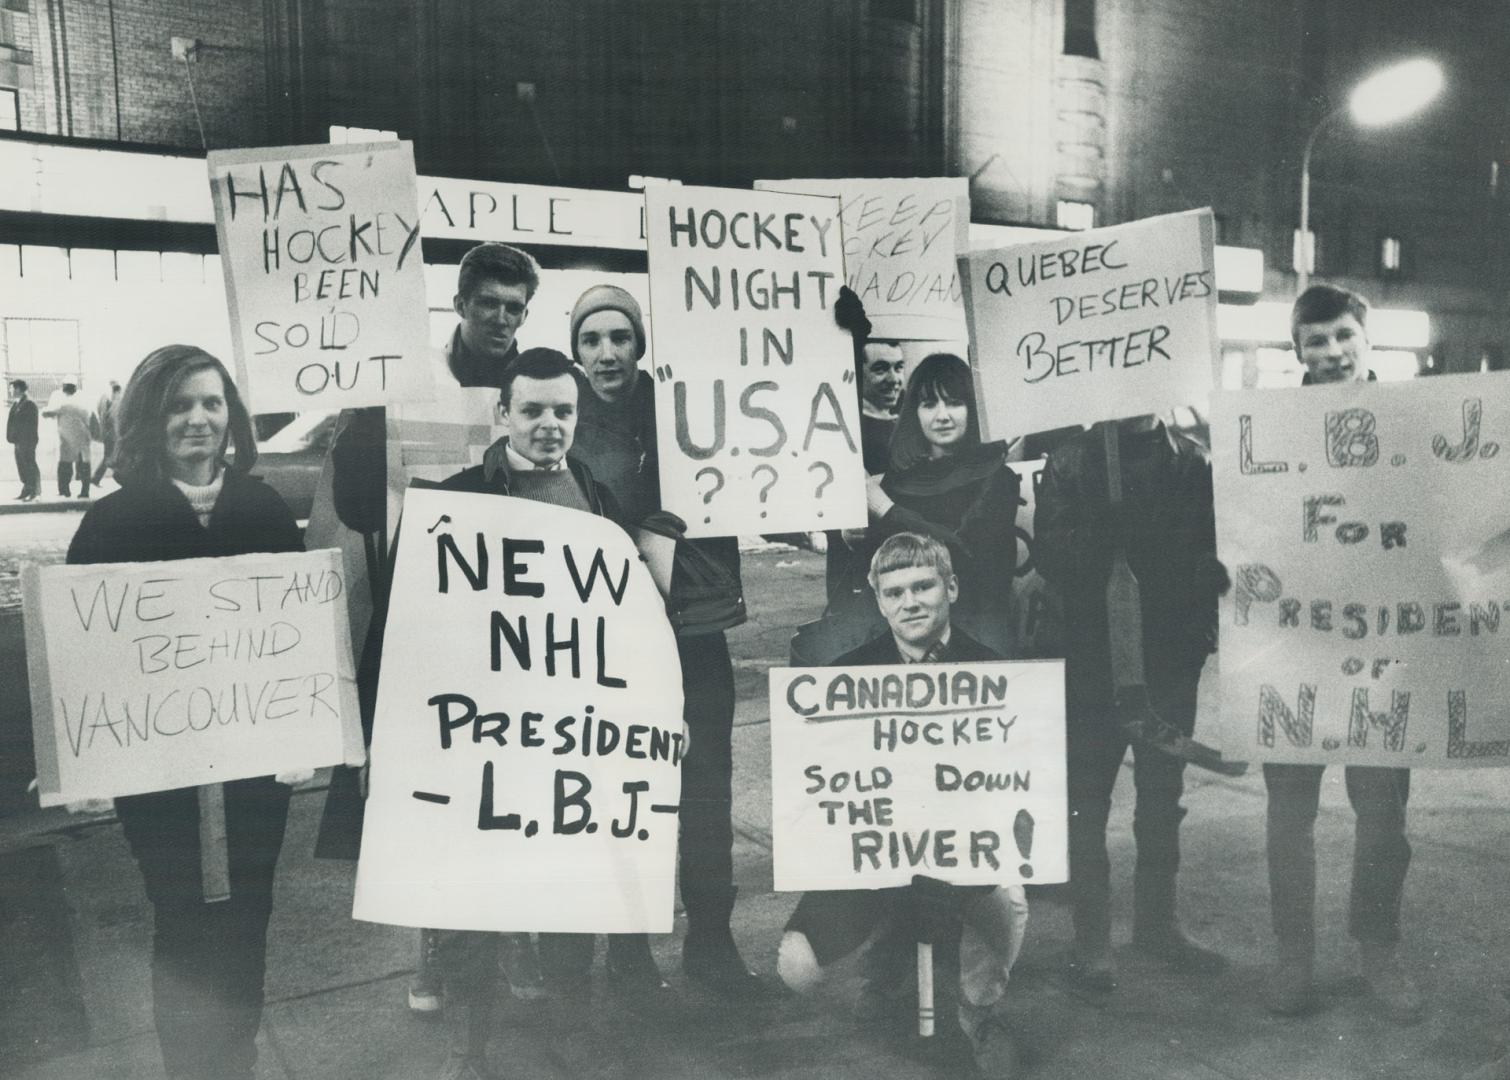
[
  {"x": 769, "y": 484},
  {"x": 712, "y": 491},
  {"x": 827, "y": 479}
]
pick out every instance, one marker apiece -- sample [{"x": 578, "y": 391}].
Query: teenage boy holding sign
[
  {"x": 616, "y": 437},
  {"x": 976, "y": 931},
  {"x": 1329, "y": 328}
]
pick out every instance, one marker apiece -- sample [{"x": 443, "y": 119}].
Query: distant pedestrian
[
  {"x": 180, "y": 499},
  {"x": 102, "y": 427},
  {"x": 21, "y": 433},
  {"x": 73, "y": 438}
]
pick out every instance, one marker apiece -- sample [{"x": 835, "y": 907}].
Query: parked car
[{"x": 292, "y": 459}]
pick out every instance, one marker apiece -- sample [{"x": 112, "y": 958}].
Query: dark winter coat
[{"x": 1166, "y": 527}]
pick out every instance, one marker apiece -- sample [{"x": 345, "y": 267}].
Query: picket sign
[{"x": 1366, "y": 527}]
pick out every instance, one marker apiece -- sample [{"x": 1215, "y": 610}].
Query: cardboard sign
[
  {"x": 323, "y": 274},
  {"x": 956, "y": 771},
  {"x": 528, "y": 736},
  {"x": 901, "y": 240},
  {"x": 757, "y": 418},
  {"x": 531, "y": 214},
  {"x": 1367, "y": 530},
  {"x": 1094, "y": 325},
  {"x": 154, "y": 676}
]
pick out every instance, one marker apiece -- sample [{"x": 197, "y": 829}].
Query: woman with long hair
[
  {"x": 943, "y": 481},
  {"x": 184, "y": 451}
]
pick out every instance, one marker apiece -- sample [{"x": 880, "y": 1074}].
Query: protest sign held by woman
[
  {"x": 180, "y": 499},
  {"x": 942, "y": 481}
]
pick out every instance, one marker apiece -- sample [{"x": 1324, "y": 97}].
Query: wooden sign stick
[
  {"x": 214, "y": 861},
  {"x": 925, "y": 989}
]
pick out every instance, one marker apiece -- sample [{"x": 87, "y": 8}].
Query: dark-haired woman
[
  {"x": 182, "y": 498},
  {"x": 943, "y": 481}
]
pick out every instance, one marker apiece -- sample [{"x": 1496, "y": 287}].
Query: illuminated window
[
  {"x": 1390, "y": 255},
  {"x": 1276, "y": 367},
  {"x": 1394, "y": 365},
  {"x": 1080, "y": 29},
  {"x": 342, "y": 134},
  {"x": 10, "y": 110},
  {"x": 1071, "y": 214},
  {"x": 1311, "y": 245}
]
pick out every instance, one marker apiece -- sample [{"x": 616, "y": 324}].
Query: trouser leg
[
  {"x": 1160, "y": 782},
  {"x": 1294, "y": 793},
  {"x": 706, "y": 839},
  {"x": 1381, "y": 853},
  {"x": 65, "y": 475},
  {"x": 1096, "y": 749}
]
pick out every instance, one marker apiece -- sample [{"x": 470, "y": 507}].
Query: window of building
[
  {"x": 339, "y": 133},
  {"x": 10, "y": 262},
  {"x": 40, "y": 346},
  {"x": 1391, "y": 255},
  {"x": 1072, "y": 214},
  {"x": 10, "y": 110},
  {"x": 139, "y": 267},
  {"x": 1080, "y": 29},
  {"x": 91, "y": 264},
  {"x": 44, "y": 263}
]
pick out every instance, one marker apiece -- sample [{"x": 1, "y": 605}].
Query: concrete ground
[{"x": 77, "y": 928}]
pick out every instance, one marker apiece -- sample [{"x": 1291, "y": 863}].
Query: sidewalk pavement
[
  {"x": 73, "y": 915},
  {"x": 336, "y": 987}
]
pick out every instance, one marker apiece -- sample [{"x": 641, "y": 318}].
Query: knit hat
[{"x": 608, "y": 298}]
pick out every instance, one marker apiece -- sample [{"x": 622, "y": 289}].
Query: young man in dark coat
[
  {"x": 538, "y": 403},
  {"x": 1165, "y": 526},
  {"x": 616, "y": 436},
  {"x": 21, "y": 433}
]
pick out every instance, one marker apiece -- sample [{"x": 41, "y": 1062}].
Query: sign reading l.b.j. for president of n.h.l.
[{"x": 1367, "y": 530}]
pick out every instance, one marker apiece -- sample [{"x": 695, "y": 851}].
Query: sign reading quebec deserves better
[
  {"x": 1367, "y": 530},
  {"x": 757, "y": 419},
  {"x": 323, "y": 274},
  {"x": 1094, "y": 325},
  {"x": 955, "y": 771},
  {"x": 153, "y": 676},
  {"x": 528, "y": 735},
  {"x": 901, "y": 240}
]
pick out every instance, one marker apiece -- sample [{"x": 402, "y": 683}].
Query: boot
[
  {"x": 1157, "y": 932},
  {"x": 632, "y": 973},
  {"x": 520, "y": 967},
  {"x": 427, "y": 986},
  {"x": 1291, "y": 990},
  {"x": 709, "y": 955},
  {"x": 1390, "y": 987},
  {"x": 467, "y": 1043}
]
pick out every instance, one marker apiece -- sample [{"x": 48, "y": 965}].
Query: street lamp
[{"x": 1396, "y": 92}]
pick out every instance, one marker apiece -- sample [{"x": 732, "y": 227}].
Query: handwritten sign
[
  {"x": 528, "y": 736},
  {"x": 154, "y": 676},
  {"x": 901, "y": 240},
  {"x": 323, "y": 274},
  {"x": 956, "y": 771},
  {"x": 757, "y": 419},
  {"x": 1093, "y": 325},
  {"x": 1367, "y": 530}
]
